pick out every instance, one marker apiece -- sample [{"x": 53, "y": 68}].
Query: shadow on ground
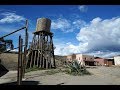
[
  {"x": 60, "y": 83},
  {"x": 23, "y": 83},
  {"x": 3, "y": 70}
]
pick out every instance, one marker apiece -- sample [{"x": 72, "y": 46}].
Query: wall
[
  {"x": 83, "y": 58},
  {"x": 69, "y": 58},
  {"x": 117, "y": 60},
  {"x": 79, "y": 57},
  {"x": 100, "y": 61},
  {"x": 88, "y": 58}
]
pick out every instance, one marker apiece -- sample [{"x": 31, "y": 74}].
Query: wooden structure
[
  {"x": 21, "y": 61},
  {"x": 41, "y": 51}
]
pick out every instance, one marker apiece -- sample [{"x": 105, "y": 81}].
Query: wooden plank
[
  {"x": 47, "y": 63},
  {"x": 38, "y": 58},
  {"x": 43, "y": 62},
  {"x": 34, "y": 57},
  {"x": 18, "y": 72},
  {"x": 21, "y": 61},
  {"x": 41, "y": 50},
  {"x": 31, "y": 59}
]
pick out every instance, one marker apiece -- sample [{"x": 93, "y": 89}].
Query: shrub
[{"x": 75, "y": 68}]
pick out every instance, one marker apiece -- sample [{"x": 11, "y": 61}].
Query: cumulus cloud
[
  {"x": 83, "y": 8},
  {"x": 67, "y": 25},
  {"x": 104, "y": 54},
  {"x": 11, "y": 17},
  {"x": 99, "y": 37}
]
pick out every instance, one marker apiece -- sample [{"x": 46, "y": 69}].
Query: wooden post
[
  {"x": 25, "y": 48},
  {"x": 38, "y": 58},
  {"x": 19, "y": 74},
  {"x": 41, "y": 50},
  {"x": 47, "y": 53},
  {"x": 34, "y": 58},
  {"x": 53, "y": 54}
]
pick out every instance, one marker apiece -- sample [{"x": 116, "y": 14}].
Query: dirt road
[{"x": 100, "y": 76}]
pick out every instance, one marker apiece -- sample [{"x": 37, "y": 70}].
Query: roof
[{"x": 97, "y": 58}]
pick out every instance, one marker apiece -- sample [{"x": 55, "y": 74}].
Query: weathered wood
[
  {"x": 12, "y": 32},
  {"x": 19, "y": 73},
  {"x": 42, "y": 49},
  {"x": 21, "y": 60},
  {"x": 25, "y": 48},
  {"x": 38, "y": 58},
  {"x": 47, "y": 63},
  {"x": 43, "y": 62},
  {"x": 31, "y": 59},
  {"x": 34, "y": 58}
]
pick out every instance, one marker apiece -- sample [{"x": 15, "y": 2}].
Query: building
[
  {"x": 103, "y": 61},
  {"x": 70, "y": 58},
  {"x": 90, "y": 60},
  {"x": 99, "y": 61},
  {"x": 109, "y": 62},
  {"x": 84, "y": 59},
  {"x": 117, "y": 60}
]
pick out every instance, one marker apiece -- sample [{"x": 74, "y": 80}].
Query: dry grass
[{"x": 9, "y": 60}]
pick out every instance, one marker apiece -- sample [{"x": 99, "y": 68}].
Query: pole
[
  {"x": 19, "y": 74},
  {"x": 12, "y": 32},
  {"x": 25, "y": 48}
]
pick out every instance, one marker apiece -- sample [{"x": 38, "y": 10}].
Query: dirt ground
[{"x": 100, "y": 76}]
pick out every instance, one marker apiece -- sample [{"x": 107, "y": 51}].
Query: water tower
[{"x": 41, "y": 52}]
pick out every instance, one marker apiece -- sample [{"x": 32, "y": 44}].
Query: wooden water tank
[{"x": 43, "y": 24}]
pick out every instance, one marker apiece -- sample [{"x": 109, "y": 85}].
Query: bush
[{"x": 75, "y": 68}]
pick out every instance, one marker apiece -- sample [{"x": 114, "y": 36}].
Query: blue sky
[{"x": 89, "y": 29}]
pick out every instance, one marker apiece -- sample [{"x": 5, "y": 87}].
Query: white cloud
[
  {"x": 67, "y": 25},
  {"x": 99, "y": 37},
  {"x": 83, "y": 8},
  {"x": 62, "y": 24},
  {"x": 107, "y": 54},
  {"x": 69, "y": 48},
  {"x": 101, "y": 34},
  {"x": 79, "y": 23},
  {"x": 11, "y": 17}
]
